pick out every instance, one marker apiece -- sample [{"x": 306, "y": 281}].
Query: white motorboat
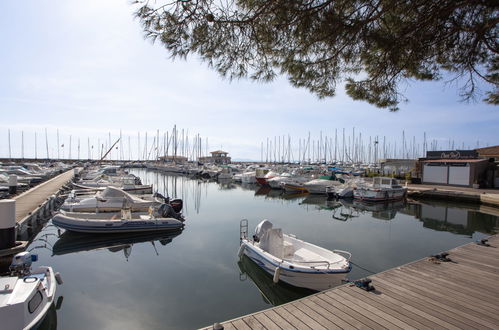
[
  {"x": 320, "y": 185},
  {"x": 129, "y": 183},
  {"x": 26, "y": 295},
  {"x": 248, "y": 177},
  {"x": 110, "y": 199},
  {"x": 381, "y": 189},
  {"x": 292, "y": 260},
  {"x": 166, "y": 218}
]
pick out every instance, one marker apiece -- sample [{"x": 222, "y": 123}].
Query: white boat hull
[
  {"x": 92, "y": 225},
  {"x": 378, "y": 195}
]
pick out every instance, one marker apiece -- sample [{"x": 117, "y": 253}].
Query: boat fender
[
  {"x": 241, "y": 251},
  {"x": 277, "y": 272},
  {"x": 58, "y": 278}
]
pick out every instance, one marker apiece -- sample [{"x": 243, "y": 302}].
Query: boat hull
[
  {"x": 378, "y": 195},
  {"x": 116, "y": 226}
]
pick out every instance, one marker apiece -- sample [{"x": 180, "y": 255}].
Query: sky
[{"x": 83, "y": 69}]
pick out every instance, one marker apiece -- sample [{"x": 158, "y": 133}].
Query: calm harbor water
[{"x": 193, "y": 278}]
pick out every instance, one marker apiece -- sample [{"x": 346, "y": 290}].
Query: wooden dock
[
  {"x": 29, "y": 201},
  {"x": 461, "y": 294}
]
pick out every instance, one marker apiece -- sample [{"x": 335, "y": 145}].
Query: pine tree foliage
[{"x": 373, "y": 46}]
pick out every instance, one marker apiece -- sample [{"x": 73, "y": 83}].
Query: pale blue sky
[{"x": 84, "y": 68}]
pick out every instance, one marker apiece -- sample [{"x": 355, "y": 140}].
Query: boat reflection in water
[
  {"x": 70, "y": 242},
  {"x": 272, "y": 293},
  {"x": 379, "y": 210},
  {"x": 50, "y": 320}
]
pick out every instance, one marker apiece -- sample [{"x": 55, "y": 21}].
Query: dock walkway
[
  {"x": 462, "y": 294},
  {"x": 30, "y": 200},
  {"x": 488, "y": 197}
]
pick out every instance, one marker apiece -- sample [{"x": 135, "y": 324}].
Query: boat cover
[
  {"x": 262, "y": 228},
  {"x": 113, "y": 192}
]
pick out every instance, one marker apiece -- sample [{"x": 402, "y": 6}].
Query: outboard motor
[
  {"x": 21, "y": 263},
  {"x": 177, "y": 204},
  {"x": 137, "y": 181},
  {"x": 167, "y": 211},
  {"x": 261, "y": 229}
]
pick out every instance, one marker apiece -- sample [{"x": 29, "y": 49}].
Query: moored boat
[
  {"x": 26, "y": 295},
  {"x": 165, "y": 218},
  {"x": 381, "y": 189},
  {"x": 294, "y": 261}
]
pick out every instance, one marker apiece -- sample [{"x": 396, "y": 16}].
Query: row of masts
[
  {"x": 175, "y": 143},
  {"x": 351, "y": 148}
]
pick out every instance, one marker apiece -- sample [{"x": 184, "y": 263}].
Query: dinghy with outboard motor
[
  {"x": 292, "y": 260},
  {"x": 26, "y": 295},
  {"x": 165, "y": 217}
]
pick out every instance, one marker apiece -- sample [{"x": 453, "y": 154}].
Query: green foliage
[{"x": 372, "y": 45}]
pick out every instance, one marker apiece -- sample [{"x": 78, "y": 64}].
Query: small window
[
  {"x": 35, "y": 302},
  {"x": 385, "y": 181}
]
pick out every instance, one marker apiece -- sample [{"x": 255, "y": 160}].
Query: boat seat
[
  {"x": 303, "y": 254},
  {"x": 145, "y": 217}
]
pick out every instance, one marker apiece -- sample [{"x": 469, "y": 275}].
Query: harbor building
[
  {"x": 457, "y": 168},
  {"x": 217, "y": 157}
]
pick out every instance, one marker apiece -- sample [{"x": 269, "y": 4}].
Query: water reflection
[
  {"x": 439, "y": 216},
  {"x": 272, "y": 293},
  {"x": 458, "y": 220},
  {"x": 70, "y": 242}
]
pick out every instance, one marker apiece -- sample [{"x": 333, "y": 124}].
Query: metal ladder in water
[{"x": 243, "y": 229}]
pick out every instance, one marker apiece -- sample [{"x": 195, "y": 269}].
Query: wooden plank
[
  {"x": 481, "y": 254},
  {"x": 477, "y": 275},
  {"x": 400, "y": 311},
  {"x": 464, "y": 281},
  {"x": 326, "y": 314},
  {"x": 460, "y": 290},
  {"x": 309, "y": 321},
  {"x": 239, "y": 324},
  {"x": 382, "y": 323},
  {"x": 478, "y": 249},
  {"x": 328, "y": 324},
  {"x": 266, "y": 321},
  {"x": 277, "y": 319},
  {"x": 418, "y": 307},
  {"x": 344, "y": 306},
  {"x": 465, "y": 260},
  {"x": 492, "y": 263},
  {"x": 479, "y": 305},
  {"x": 471, "y": 281},
  {"x": 443, "y": 301},
  {"x": 323, "y": 307},
  {"x": 252, "y": 322},
  {"x": 297, "y": 323},
  {"x": 386, "y": 318},
  {"x": 226, "y": 325},
  {"x": 430, "y": 306}
]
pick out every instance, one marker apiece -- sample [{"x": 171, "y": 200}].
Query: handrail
[
  {"x": 308, "y": 262},
  {"x": 345, "y": 252}
]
